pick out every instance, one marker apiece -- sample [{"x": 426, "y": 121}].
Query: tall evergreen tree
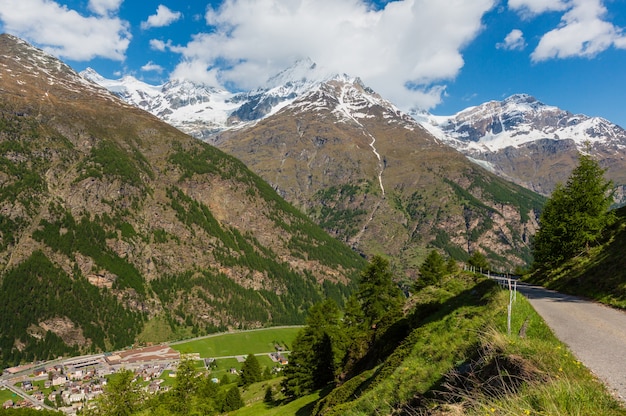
[
  {"x": 298, "y": 373},
  {"x": 356, "y": 331},
  {"x": 250, "y": 371},
  {"x": 575, "y": 216},
  {"x": 451, "y": 266},
  {"x": 479, "y": 261},
  {"x": 325, "y": 362},
  {"x": 432, "y": 270},
  {"x": 380, "y": 298},
  {"x": 121, "y": 397},
  {"x": 317, "y": 351},
  {"x": 185, "y": 386},
  {"x": 232, "y": 400},
  {"x": 269, "y": 395}
]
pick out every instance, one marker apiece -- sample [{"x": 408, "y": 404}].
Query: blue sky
[{"x": 441, "y": 55}]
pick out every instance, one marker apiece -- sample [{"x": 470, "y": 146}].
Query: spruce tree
[
  {"x": 575, "y": 216},
  {"x": 355, "y": 329},
  {"x": 298, "y": 373},
  {"x": 267, "y": 373},
  {"x": 250, "y": 371},
  {"x": 232, "y": 400},
  {"x": 185, "y": 386},
  {"x": 121, "y": 397},
  {"x": 316, "y": 352},
  {"x": 269, "y": 395},
  {"x": 380, "y": 298},
  {"x": 479, "y": 261},
  {"x": 432, "y": 270}
]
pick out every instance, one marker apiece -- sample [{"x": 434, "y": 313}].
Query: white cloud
[
  {"x": 582, "y": 32},
  {"x": 152, "y": 67},
  {"x": 159, "y": 45},
  {"x": 104, "y": 7},
  {"x": 64, "y": 32},
  {"x": 409, "y": 42},
  {"x": 514, "y": 41},
  {"x": 529, "y": 8},
  {"x": 163, "y": 17}
]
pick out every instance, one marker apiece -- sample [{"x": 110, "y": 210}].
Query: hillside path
[{"x": 596, "y": 334}]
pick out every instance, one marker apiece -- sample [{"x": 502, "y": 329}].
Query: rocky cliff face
[{"x": 111, "y": 219}]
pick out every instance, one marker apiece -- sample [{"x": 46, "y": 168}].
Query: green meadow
[
  {"x": 6, "y": 394},
  {"x": 240, "y": 343}
]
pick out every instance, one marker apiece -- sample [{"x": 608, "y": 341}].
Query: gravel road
[{"x": 595, "y": 333}]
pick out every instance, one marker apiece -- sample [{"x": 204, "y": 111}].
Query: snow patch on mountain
[
  {"x": 516, "y": 121},
  {"x": 191, "y": 107},
  {"x": 203, "y": 111}
]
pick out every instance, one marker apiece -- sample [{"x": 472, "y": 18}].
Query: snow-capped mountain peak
[
  {"x": 303, "y": 71},
  {"x": 515, "y": 121},
  {"x": 93, "y": 76},
  {"x": 203, "y": 110},
  {"x": 197, "y": 109},
  {"x": 529, "y": 142}
]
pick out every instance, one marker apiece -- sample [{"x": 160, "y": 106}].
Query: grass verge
[{"x": 542, "y": 376}]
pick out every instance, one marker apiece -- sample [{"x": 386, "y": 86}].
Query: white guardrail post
[
  {"x": 503, "y": 282},
  {"x": 508, "y": 317},
  {"x": 512, "y": 286}
]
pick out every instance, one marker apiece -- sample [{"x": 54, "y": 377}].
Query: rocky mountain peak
[
  {"x": 530, "y": 142},
  {"x": 34, "y": 69},
  {"x": 301, "y": 72},
  {"x": 518, "y": 120}
]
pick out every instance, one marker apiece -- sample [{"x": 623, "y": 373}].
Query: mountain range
[
  {"x": 370, "y": 174},
  {"x": 531, "y": 143},
  {"x": 201, "y": 110},
  {"x": 520, "y": 139},
  {"x": 375, "y": 178},
  {"x": 116, "y": 227}
]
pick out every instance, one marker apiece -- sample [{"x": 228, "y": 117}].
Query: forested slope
[{"x": 114, "y": 226}]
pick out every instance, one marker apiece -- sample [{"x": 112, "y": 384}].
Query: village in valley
[{"x": 71, "y": 384}]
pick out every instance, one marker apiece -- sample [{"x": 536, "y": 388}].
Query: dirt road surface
[{"x": 596, "y": 334}]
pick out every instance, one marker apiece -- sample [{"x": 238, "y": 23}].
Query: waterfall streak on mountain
[
  {"x": 345, "y": 109},
  {"x": 357, "y": 238},
  {"x": 380, "y": 163}
]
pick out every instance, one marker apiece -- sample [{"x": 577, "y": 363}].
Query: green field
[
  {"x": 6, "y": 394},
  {"x": 240, "y": 343}
]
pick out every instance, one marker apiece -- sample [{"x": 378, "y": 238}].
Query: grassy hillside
[
  {"x": 598, "y": 274},
  {"x": 458, "y": 359},
  {"x": 454, "y": 357}
]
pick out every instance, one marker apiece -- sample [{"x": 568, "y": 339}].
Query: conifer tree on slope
[
  {"x": 575, "y": 216},
  {"x": 250, "y": 371},
  {"x": 316, "y": 351},
  {"x": 380, "y": 298},
  {"x": 432, "y": 270}
]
